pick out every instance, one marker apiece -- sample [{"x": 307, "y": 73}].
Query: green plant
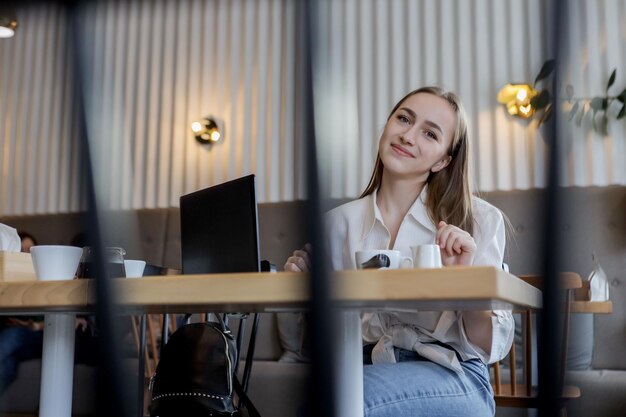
[{"x": 599, "y": 105}]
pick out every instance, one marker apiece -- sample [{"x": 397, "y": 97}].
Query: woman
[{"x": 424, "y": 363}]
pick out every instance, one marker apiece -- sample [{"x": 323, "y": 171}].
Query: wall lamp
[
  {"x": 207, "y": 130},
  {"x": 8, "y": 22},
  {"x": 517, "y": 98}
]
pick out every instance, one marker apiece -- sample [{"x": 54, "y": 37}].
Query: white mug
[
  {"x": 426, "y": 256},
  {"x": 382, "y": 259}
]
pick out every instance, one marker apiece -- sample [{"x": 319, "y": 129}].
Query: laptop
[{"x": 219, "y": 229}]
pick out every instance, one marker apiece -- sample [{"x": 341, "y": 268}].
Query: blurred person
[
  {"x": 21, "y": 338},
  {"x": 28, "y": 241},
  {"x": 423, "y": 363}
]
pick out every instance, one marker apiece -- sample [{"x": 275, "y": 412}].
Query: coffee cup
[
  {"x": 382, "y": 259},
  {"x": 55, "y": 262},
  {"x": 426, "y": 256},
  {"x": 134, "y": 268}
]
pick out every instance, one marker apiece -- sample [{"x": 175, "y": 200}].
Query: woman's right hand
[{"x": 300, "y": 261}]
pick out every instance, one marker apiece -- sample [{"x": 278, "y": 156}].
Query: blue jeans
[
  {"x": 416, "y": 387},
  {"x": 17, "y": 344}
]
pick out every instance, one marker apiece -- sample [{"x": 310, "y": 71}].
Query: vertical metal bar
[
  {"x": 321, "y": 323},
  {"x": 550, "y": 387},
  {"x": 247, "y": 370},
  {"x": 141, "y": 370},
  {"x": 164, "y": 333},
  {"x": 240, "y": 336},
  {"x": 113, "y": 398}
]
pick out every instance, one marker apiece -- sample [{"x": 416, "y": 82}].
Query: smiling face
[{"x": 417, "y": 137}]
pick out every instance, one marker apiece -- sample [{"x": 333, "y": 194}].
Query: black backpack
[{"x": 196, "y": 374}]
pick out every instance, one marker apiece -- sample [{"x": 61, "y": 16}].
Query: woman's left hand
[{"x": 457, "y": 246}]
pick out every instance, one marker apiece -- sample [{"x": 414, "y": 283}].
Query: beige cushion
[{"x": 592, "y": 220}]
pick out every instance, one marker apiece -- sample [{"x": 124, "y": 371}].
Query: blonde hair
[{"x": 449, "y": 197}]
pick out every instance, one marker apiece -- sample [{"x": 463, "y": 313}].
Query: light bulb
[
  {"x": 6, "y": 32},
  {"x": 196, "y": 127},
  {"x": 525, "y": 109}
]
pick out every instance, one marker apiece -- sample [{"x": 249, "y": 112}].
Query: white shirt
[
  {"x": 9, "y": 240},
  {"x": 358, "y": 225}
]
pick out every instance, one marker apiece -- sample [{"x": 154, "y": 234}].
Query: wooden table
[{"x": 452, "y": 288}]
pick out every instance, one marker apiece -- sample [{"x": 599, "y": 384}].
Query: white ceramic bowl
[
  {"x": 134, "y": 268},
  {"x": 55, "y": 262}
]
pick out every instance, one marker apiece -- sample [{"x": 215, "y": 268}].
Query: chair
[
  {"x": 524, "y": 395},
  {"x": 154, "y": 324},
  {"x": 152, "y": 341}
]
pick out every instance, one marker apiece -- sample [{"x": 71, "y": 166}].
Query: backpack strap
[
  {"x": 222, "y": 323},
  {"x": 243, "y": 398}
]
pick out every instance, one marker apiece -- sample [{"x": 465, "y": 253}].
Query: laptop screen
[{"x": 219, "y": 230}]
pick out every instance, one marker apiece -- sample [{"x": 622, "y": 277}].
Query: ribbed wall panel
[
  {"x": 158, "y": 66},
  {"x": 153, "y": 66},
  {"x": 39, "y": 156},
  {"x": 598, "y": 44},
  {"x": 474, "y": 48}
]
